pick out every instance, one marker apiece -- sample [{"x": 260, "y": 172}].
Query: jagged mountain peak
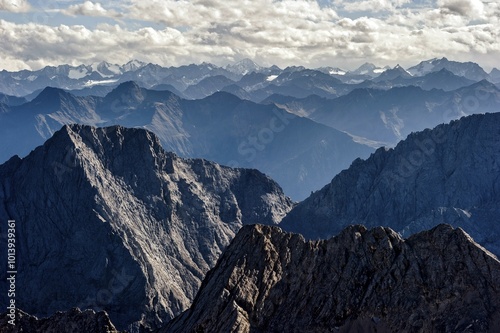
[
  {"x": 469, "y": 69},
  {"x": 133, "y": 65},
  {"x": 116, "y": 134},
  {"x": 51, "y": 93},
  {"x": 148, "y": 220},
  {"x": 367, "y": 280},
  {"x": 52, "y": 100},
  {"x": 393, "y": 188},
  {"x": 369, "y": 69},
  {"x": 128, "y": 93},
  {"x": 128, "y": 86},
  {"x": 244, "y": 67}
]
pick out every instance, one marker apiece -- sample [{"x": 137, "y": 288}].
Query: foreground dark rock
[
  {"x": 360, "y": 281},
  {"x": 74, "y": 321},
  {"x": 106, "y": 219},
  {"x": 450, "y": 174}
]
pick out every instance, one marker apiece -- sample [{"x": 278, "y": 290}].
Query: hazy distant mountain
[
  {"x": 255, "y": 81},
  {"x": 387, "y": 116},
  {"x": 64, "y": 76},
  {"x": 207, "y": 87},
  {"x": 334, "y": 71},
  {"x": 237, "y": 91},
  {"x": 302, "y": 107},
  {"x": 244, "y": 67},
  {"x": 360, "y": 281},
  {"x": 105, "y": 74},
  {"x": 393, "y": 73},
  {"x": 445, "y": 175},
  {"x": 11, "y": 100},
  {"x": 106, "y": 219},
  {"x": 180, "y": 77},
  {"x": 98, "y": 79},
  {"x": 443, "y": 79},
  {"x": 470, "y": 70},
  {"x": 495, "y": 75},
  {"x": 301, "y": 154},
  {"x": 369, "y": 70},
  {"x": 301, "y": 83}
]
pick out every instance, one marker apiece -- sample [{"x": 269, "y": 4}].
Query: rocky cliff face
[
  {"x": 450, "y": 174},
  {"x": 360, "y": 281},
  {"x": 106, "y": 219},
  {"x": 73, "y": 321}
]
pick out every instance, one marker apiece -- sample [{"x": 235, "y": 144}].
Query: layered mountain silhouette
[
  {"x": 449, "y": 174},
  {"x": 359, "y": 281},
  {"x": 469, "y": 70},
  {"x": 300, "y": 154},
  {"x": 388, "y": 116},
  {"x": 124, "y": 223},
  {"x": 107, "y": 220},
  {"x": 202, "y": 80}
]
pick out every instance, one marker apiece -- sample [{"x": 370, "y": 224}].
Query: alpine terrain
[
  {"x": 107, "y": 220},
  {"x": 359, "y": 281},
  {"x": 450, "y": 174}
]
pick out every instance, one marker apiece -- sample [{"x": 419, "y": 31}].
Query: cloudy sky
[{"x": 342, "y": 33}]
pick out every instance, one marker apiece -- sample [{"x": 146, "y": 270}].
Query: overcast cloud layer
[{"x": 341, "y": 33}]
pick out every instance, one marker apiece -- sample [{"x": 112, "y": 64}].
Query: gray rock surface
[
  {"x": 360, "y": 281},
  {"x": 106, "y": 219},
  {"x": 450, "y": 174},
  {"x": 73, "y": 321}
]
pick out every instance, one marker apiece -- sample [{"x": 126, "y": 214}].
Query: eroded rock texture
[
  {"x": 106, "y": 219},
  {"x": 450, "y": 174},
  {"x": 359, "y": 281}
]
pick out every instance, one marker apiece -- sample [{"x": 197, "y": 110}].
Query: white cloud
[
  {"x": 15, "y": 6},
  {"x": 280, "y": 32},
  {"x": 370, "y": 5},
  {"x": 468, "y": 8},
  {"x": 88, "y": 8}
]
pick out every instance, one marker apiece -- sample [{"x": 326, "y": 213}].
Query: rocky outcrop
[
  {"x": 106, "y": 219},
  {"x": 450, "y": 174},
  {"x": 359, "y": 281},
  {"x": 73, "y": 321}
]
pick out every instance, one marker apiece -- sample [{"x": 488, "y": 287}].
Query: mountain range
[
  {"x": 284, "y": 136},
  {"x": 144, "y": 229},
  {"x": 388, "y": 116},
  {"x": 164, "y": 199},
  {"x": 359, "y": 281},
  {"x": 99, "y": 78},
  {"x": 449, "y": 174},
  {"x": 299, "y": 153},
  {"x": 110, "y": 221}
]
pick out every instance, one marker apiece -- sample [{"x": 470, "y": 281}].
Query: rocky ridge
[
  {"x": 106, "y": 219},
  {"x": 359, "y": 281},
  {"x": 73, "y": 321},
  {"x": 450, "y": 174}
]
